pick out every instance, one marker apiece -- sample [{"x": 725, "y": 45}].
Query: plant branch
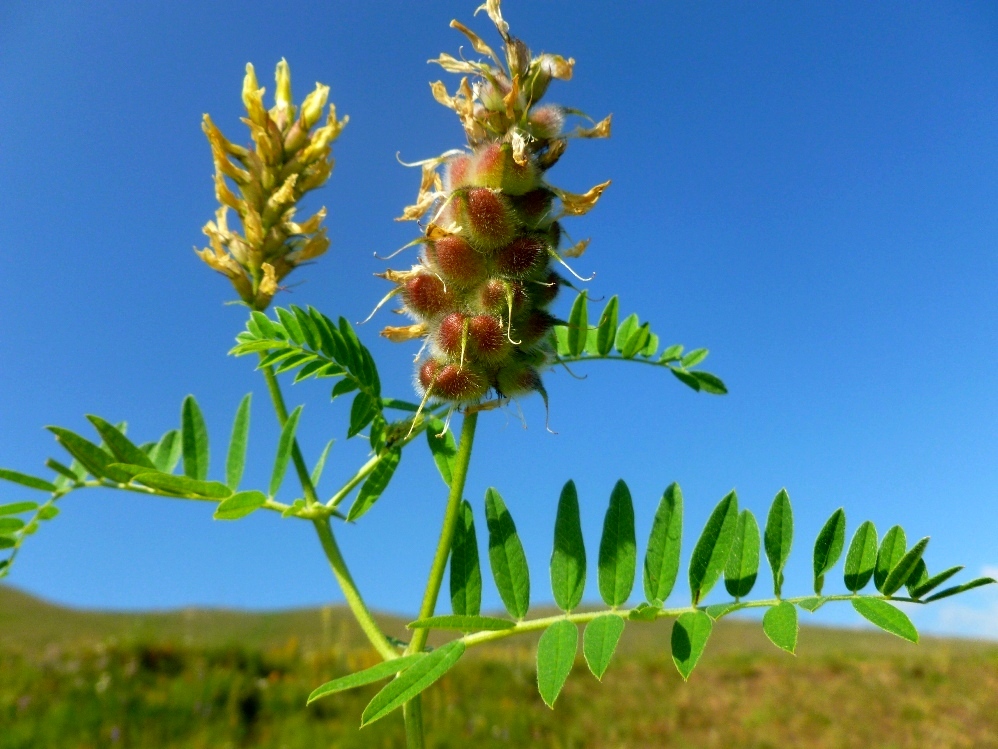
[{"x": 340, "y": 571}]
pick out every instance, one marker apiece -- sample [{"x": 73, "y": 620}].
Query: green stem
[
  {"x": 412, "y": 711},
  {"x": 533, "y": 625},
  {"x": 350, "y": 592}
]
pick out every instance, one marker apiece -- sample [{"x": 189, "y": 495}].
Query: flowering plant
[{"x": 493, "y": 258}]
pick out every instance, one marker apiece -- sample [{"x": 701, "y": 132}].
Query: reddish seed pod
[
  {"x": 428, "y": 373},
  {"x": 546, "y": 122},
  {"x": 493, "y": 296},
  {"x": 487, "y": 336},
  {"x": 522, "y": 257},
  {"x": 457, "y": 260},
  {"x": 460, "y": 384},
  {"x": 425, "y": 295},
  {"x": 451, "y": 333},
  {"x": 457, "y": 172},
  {"x": 486, "y": 216},
  {"x": 495, "y": 167}
]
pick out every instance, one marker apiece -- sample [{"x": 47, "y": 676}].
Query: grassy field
[{"x": 73, "y": 679}]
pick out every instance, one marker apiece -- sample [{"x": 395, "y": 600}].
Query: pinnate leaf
[
  {"x": 568, "y": 559},
  {"x": 689, "y": 638},
  {"x": 712, "y": 548},
  {"x": 599, "y": 641},
  {"x": 779, "y": 537},
  {"x": 662, "y": 558},
  {"x": 889, "y": 618},
  {"x": 742, "y": 566},
  {"x": 862, "y": 557},
  {"x": 413, "y": 680},
  {"x": 617, "y": 548},
  {"x": 506, "y": 556},
  {"x": 555, "y": 656},
  {"x": 194, "y": 437},
  {"x": 828, "y": 547},
  {"x": 465, "y": 566},
  {"x": 235, "y": 460},
  {"x": 780, "y": 625}
]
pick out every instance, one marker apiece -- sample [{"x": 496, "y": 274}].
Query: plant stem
[
  {"x": 412, "y": 711},
  {"x": 533, "y": 625},
  {"x": 350, "y": 592}
]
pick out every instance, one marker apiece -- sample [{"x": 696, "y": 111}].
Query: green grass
[{"x": 197, "y": 678}]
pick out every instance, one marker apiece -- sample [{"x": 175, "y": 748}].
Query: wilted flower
[
  {"x": 289, "y": 157},
  {"x": 485, "y": 278}
]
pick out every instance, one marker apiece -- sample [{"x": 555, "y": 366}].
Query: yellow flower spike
[
  {"x": 253, "y": 98},
  {"x": 311, "y": 108},
  {"x": 283, "y": 107},
  {"x": 287, "y": 160}
]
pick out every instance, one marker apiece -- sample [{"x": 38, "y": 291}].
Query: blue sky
[{"x": 807, "y": 190}]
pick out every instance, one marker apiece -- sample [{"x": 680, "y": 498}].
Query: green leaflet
[
  {"x": 466, "y": 623},
  {"x": 617, "y": 548},
  {"x": 555, "y": 656},
  {"x": 813, "y": 604},
  {"x": 183, "y": 486},
  {"x": 9, "y": 526},
  {"x": 891, "y": 550},
  {"x": 63, "y": 471},
  {"x": 709, "y": 383},
  {"x": 362, "y": 411},
  {"x": 413, "y": 680},
  {"x": 711, "y": 551},
  {"x": 24, "y": 479},
  {"x": 599, "y": 641},
  {"x": 194, "y": 438},
  {"x": 343, "y": 387},
  {"x": 6, "y": 542},
  {"x": 887, "y": 617},
  {"x": 561, "y": 341},
  {"x": 120, "y": 446},
  {"x": 367, "y": 676},
  {"x": 290, "y": 324},
  {"x": 320, "y": 464},
  {"x": 443, "y": 448},
  {"x": 91, "y": 457},
  {"x": 664, "y": 543},
  {"x": 465, "y": 567},
  {"x": 689, "y": 638},
  {"x": 862, "y": 557},
  {"x": 686, "y": 378},
  {"x": 375, "y": 485},
  {"x": 956, "y": 589},
  {"x": 934, "y": 582},
  {"x": 918, "y": 577},
  {"x": 285, "y": 445},
  {"x": 578, "y": 325},
  {"x": 235, "y": 460},
  {"x": 780, "y": 625},
  {"x": 166, "y": 454},
  {"x": 903, "y": 569},
  {"x": 509, "y": 563},
  {"x": 694, "y": 357},
  {"x": 568, "y": 559},
  {"x": 624, "y": 332},
  {"x": 637, "y": 341},
  {"x": 47, "y": 512},
  {"x": 671, "y": 354},
  {"x": 644, "y": 612},
  {"x": 240, "y": 505},
  {"x": 742, "y": 566},
  {"x": 779, "y": 537},
  {"x": 606, "y": 331},
  {"x": 16, "y": 508},
  {"x": 828, "y": 547}
]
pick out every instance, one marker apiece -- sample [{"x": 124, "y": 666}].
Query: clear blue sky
[{"x": 807, "y": 190}]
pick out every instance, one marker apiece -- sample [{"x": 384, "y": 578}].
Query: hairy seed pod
[{"x": 486, "y": 279}]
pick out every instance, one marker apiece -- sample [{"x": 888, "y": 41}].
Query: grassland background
[{"x": 202, "y": 678}]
